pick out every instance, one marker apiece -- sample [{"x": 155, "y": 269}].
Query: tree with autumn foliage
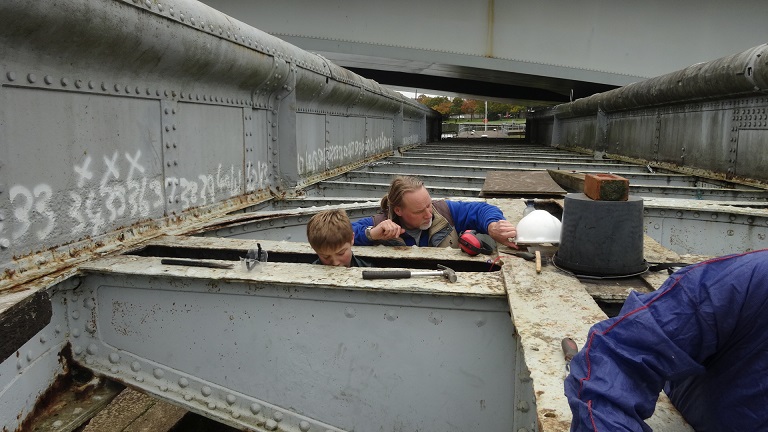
[{"x": 468, "y": 107}]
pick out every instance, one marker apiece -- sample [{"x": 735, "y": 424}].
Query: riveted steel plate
[
  {"x": 751, "y": 158},
  {"x": 312, "y": 143},
  {"x": 209, "y": 163},
  {"x": 82, "y": 164},
  {"x": 332, "y": 355},
  {"x": 346, "y": 138}
]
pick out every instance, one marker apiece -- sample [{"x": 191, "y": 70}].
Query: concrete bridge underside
[{"x": 531, "y": 52}]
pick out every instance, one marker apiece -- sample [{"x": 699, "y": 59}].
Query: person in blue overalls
[{"x": 702, "y": 337}]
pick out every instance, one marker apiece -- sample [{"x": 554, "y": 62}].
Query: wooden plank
[
  {"x": 132, "y": 411},
  {"x": 568, "y": 180},
  {"x": 22, "y": 321},
  {"x": 520, "y": 184}
]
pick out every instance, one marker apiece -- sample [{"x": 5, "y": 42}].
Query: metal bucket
[{"x": 601, "y": 238}]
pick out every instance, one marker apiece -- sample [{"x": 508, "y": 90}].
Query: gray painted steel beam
[{"x": 298, "y": 356}]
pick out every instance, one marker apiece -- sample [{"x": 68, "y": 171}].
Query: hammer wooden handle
[{"x": 386, "y": 274}]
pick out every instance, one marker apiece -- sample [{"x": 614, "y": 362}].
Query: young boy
[{"x": 330, "y": 235}]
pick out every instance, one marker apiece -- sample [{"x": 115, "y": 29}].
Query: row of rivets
[
  {"x": 696, "y": 215},
  {"x": 129, "y": 90},
  {"x": 206, "y": 391}
]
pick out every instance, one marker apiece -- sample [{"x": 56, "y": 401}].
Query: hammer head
[{"x": 448, "y": 273}]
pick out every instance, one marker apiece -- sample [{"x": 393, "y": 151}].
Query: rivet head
[
  {"x": 205, "y": 391},
  {"x": 278, "y": 416},
  {"x": 31, "y": 78},
  {"x": 92, "y": 349},
  {"x": 231, "y": 399},
  {"x": 255, "y": 408},
  {"x": 11, "y": 76},
  {"x": 270, "y": 425},
  {"x": 114, "y": 357},
  {"x": 183, "y": 382},
  {"x": 135, "y": 366},
  {"x": 304, "y": 426}
]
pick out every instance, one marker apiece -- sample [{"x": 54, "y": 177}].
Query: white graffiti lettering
[
  {"x": 335, "y": 156},
  {"x": 26, "y": 203},
  {"x": 83, "y": 173},
  {"x": 134, "y": 161},
  {"x": 103, "y": 197},
  {"x": 111, "y": 169}
]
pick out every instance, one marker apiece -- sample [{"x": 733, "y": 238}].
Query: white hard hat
[{"x": 538, "y": 226}]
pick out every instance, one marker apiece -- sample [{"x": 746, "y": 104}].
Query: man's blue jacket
[
  {"x": 466, "y": 216},
  {"x": 702, "y": 337}
]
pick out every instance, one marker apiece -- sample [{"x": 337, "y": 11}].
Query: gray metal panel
[
  {"x": 724, "y": 233},
  {"x": 695, "y": 135},
  {"x": 210, "y": 157},
  {"x": 578, "y": 132},
  {"x": 346, "y": 140},
  {"x": 750, "y": 156},
  {"x": 413, "y": 132},
  {"x": 329, "y": 356},
  {"x": 379, "y": 135},
  {"x": 634, "y": 135},
  {"x": 75, "y": 165},
  {"x": 311, "y": 142}
]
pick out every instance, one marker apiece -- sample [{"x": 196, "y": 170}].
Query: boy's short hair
[{"x": 329, "y": 229}]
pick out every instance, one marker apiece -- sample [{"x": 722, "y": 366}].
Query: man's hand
[
  {"x": 386, "y": 230},
  {"x": 503, "y": 232}
]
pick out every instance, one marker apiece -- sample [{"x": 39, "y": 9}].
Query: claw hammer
[{"x": 405, "y": 274}]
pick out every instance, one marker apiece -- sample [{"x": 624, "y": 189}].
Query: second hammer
[{"x": 405, "y": 274}]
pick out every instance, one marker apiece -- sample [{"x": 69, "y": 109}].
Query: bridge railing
[
  {"x": 709, "y": 119},
  {"x": 120, "y": 119}
]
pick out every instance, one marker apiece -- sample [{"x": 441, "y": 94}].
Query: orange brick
[{"x": 606, "y": 187}]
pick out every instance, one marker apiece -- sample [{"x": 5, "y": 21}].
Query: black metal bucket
[{"x": 601, "y": 238}]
